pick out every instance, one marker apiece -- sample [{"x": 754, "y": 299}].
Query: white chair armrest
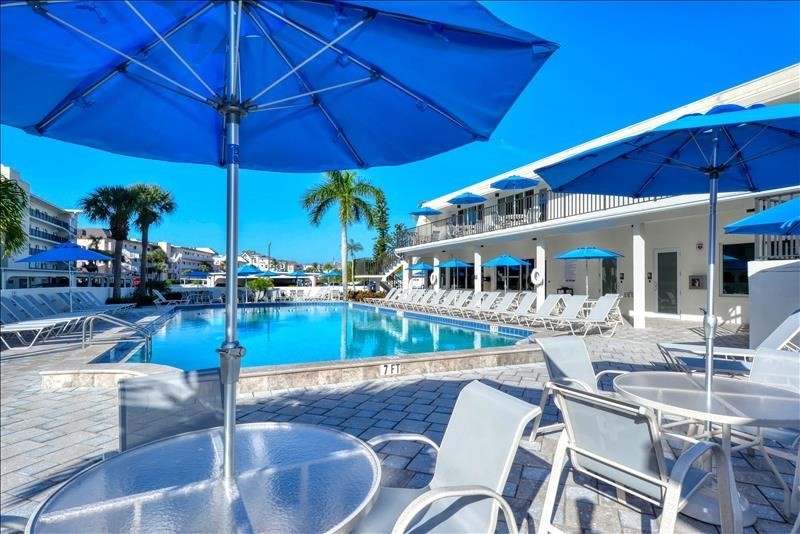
[
  {"x": 394, "y": 436},
  {"x": 422, "y": 502},
  {"x": 609, "y": 372}
]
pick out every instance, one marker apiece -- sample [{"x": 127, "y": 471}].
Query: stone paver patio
[{"x": 48, "y": 435}]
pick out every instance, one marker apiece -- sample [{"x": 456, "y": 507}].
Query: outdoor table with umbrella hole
[{"x": 243, "y": 83}]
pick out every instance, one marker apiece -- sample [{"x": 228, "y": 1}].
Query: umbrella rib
[
  {"x": 171, "y": 48},
  {"x": 699, "y": 148},
  {"x": 309, "y": 59},
  {"x": 661, "y": 166},
  {"x": 737, "y": 153},
  {"x": 307, "y": 85},
  {"x": 366, "y": 66},
  {"x": 65, "y": 106},
  {"x": 266, "y": 106}
]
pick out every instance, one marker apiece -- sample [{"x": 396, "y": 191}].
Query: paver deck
[{"x": 48, "y": 435}]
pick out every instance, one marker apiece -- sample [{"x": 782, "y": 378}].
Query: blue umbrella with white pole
[
  {"x": 729, "y": 148},
  {"x": 455, "y": 263},
  {"x": 504, "y": 260},
  {"x": 67, "y": 252},
  {"x": 248, "y": 270},
  {"x": 514, "y": 183},
  {"x": 238, "y": 83},
  {"x": 783, "y": 219},
  {"x": 586, "y": 254},
  {"x": 425, "y": 212},
  {"x": 466, "y": 199}
]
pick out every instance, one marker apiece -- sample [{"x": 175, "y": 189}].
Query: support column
[
  {"x": 478, "y": 271},
  {"x": 639, "y": 284},
  {"x": 406, "y": 274},
  {"x": 541, "y": 266},
  {"x": 437, "y": 271}
]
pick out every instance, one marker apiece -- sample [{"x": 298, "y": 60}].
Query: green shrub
[
  {"x": 360, "y": 296},
  {"x": 260, "y": 284}
]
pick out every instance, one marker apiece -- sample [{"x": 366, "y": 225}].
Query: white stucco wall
[{"x": 774, "y": 294}]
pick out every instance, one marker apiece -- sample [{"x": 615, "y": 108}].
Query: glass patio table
[
  {"x": 734, "y": 402},
  {"x": 289, "y": 478}
]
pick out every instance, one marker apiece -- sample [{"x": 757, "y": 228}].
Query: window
[{"x": 734, "y": 267}]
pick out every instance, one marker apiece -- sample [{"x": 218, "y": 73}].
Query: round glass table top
[
  {"x": 289, "y": 478},
  {"x": 733, "y": 401}
]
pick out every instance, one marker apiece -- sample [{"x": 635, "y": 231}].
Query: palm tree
[
  {"x": 351, "y": 194},
  {"x": 352, "y": 249},
  {"x": 13, "y": 203},
  {"x": 114, "y": 204},
  {"x": 152, "y": 203}
]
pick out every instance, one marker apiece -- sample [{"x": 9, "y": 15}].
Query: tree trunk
[
  {"x": 344, "y": 260},
  {"x": 117, "y": 268},
  {"x": 143, "y": 263}
]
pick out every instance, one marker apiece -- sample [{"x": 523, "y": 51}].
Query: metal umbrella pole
[
  {"x": 231, "y": 352},
  {"x": 710, "y": 319}
]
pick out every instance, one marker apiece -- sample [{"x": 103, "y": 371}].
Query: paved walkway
[{"x": 47, "y": 436}]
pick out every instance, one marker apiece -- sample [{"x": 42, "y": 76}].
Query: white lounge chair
[
  {"x": 604, "y": 314},
  {"x": 447, "y": 299},
  {"x": 472, "y": 466},
  {"x": 619, "y": 443},
  {"x": 459, "y": 302},
  {"x": 523, "y": 308},
  {"x": 502, "y": 306},
  {"x": 161, "y": 300},
  {"x": 548, "y": 307},
  {"x": 482, "y": 301},
  {"x": 573, "y": 309}
]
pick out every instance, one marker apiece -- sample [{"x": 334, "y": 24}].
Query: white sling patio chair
[
  {"x": 502, "y": 306},
  {"x": 483, "y": 304},
  {"x": 408, "y": 298},
  {"x": 385, "y": 298},
  {"x": 523, "y": 308},
  {"x": 620, "y": 444},
  {"x": 458, "y": 303},
  {"x": 573, "y": 309},
  {"x": 448, "y": 299},
  {"x": 161, "y": 300},
  {"x": 551, "y": 302},
  {"x": 732, "y": 359},
  {"x": 431, "y": 296},
  {"x": 604, "y": 314},
  {"x": 39, "y": 330},
  {"x": 439, "y": 299},
  {"x": 472, "y": 466}
]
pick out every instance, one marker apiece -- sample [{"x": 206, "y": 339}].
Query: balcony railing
[
  {"x": 531, "y": 209},
  {"x": 42, "y": 234},
  {"x": 41, "y": 215},
  {"x": 776, "y": 247}
]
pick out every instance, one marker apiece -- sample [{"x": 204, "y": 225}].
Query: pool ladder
[{"x": 139, "y": 331}]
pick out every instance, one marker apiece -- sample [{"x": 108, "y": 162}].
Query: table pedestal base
[{"x": 704, "y": 506}]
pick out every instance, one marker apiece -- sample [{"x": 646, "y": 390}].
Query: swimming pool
[{"x": 277, "y": 335}]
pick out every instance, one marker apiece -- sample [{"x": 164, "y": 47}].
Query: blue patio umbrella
[
  {"x": 67, "y": 252},
  {"x": 729, "y": 148},
  {"x": 248, "y": 270},
  {"x": 586, "y": 254},
  {"x": 783, "y": 219},
  {"x": 268, "y": 273},
  {"x": 236, "y": 84},
  {"x": 467, "y": 198},
  {"x": 504, "y": 260},
  {"x": 195, "y": 274},
  {"x": 420, "y": 266},
  {"x": 425, "y": 212},
  {"x": 455, "y": 263},
  {"x": 513, "y": 183},
  {"x": 331, "y": 274}
]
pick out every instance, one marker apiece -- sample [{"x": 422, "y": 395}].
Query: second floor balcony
[
  {"x": 49, "y": 236},
  {"x": 509, "y": 212},
  {"x": 46, "y": 217}
]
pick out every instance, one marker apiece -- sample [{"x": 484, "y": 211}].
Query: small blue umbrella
[
  {"x": 425, "y": 212},
  {"x": 420, "y": 266},
  {"x": 195, "y": 274},
  {"x": 783, "y": 219},
  {"x": 513, "y": 183},
  {"x": 588, "y": 253},
  {"x": 467, "y": 198},
  {"x": 66, "y": 252},
  {"x": 248, "y": 270},
  {"x": 504, "y": 260},
  {"x": 455, "y": 263},
  {"x": 332, "y": 274},
  {"x": 268, "y": 273},
  {"x": 729, "y": 148}
]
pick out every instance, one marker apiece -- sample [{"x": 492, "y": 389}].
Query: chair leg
[
  {"x": 549, "y": 507},
  {"x": 787, "y": 493}
]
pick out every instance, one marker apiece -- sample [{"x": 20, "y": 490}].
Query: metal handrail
[{"x": 145, "y": 332}]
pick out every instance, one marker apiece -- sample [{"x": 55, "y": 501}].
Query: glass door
[
  {"x": 609, "y": 275},
  {"x": 667, "y": 281}
]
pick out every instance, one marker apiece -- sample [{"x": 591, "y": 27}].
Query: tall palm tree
[
  {"x": 152, "y": 203},
  {"x": 353, "y": 197},
  {"x": 113, "y": 204},
  {"x": 352, "y": 248},
  {"x": 13, "y": 203}
]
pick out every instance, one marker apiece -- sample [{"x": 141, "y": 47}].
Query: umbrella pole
[
  {"x": 710, "y": 319},
  {"x": 231, "y": 352},
  {"x": 69, "y": 282},
  {"x": 586, "y": 274}
]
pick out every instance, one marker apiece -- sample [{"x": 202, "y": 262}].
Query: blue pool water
[{"x": 301, "y": 334}]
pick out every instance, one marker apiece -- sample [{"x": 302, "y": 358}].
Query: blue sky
[{"x": 619, "y": 63}]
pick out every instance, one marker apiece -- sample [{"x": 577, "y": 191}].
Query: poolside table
[
  {"x": 289, "y": 478},
  {"x": 735, "y": 402}
]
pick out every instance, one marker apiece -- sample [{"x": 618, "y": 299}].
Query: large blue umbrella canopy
[
  {"x": 588, "y": 253},
  {"x": 195, "y": 274},
  {"x": 454, "y": 263},
  {"x": 331, "y": 274},
  {"x": 729, "y": 148},
  {"x": 513, "y": 183},
  {"x": 248, "y": 270},
  {"x": 783, "y": 219},
  {"x": 420, "y": 266},
  {"x": 425, "y": 212},
  {"x": 467, "y": 198},
  {"x": 239, "y": 83},
  {"x": 504, "y": 260},
  {"x": 268, "y": 273},
  {"x": 66, "y": 252}
]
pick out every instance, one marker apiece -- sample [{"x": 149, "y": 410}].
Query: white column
[
  {"x": 437, "y": 271},
  {"x": 406, "y": 274},
  {"x": 639, "y": 285},
  {"x": 478, "y": 271},
  {"x": 541, "y": 266}
]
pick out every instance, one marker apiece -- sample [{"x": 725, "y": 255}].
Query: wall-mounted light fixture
[{"x": 649, "y": 277}]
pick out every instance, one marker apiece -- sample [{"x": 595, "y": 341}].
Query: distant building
[
  {"x": 47, "y": 225},
  {"x": 182, "y": 259},
  {"x": 100, "y": 239}
]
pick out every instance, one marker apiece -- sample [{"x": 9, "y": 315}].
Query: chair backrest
[
  {"x": 159, "y": 296},
  {"x": 614, "y": 441},
  {"x": 155, "y": 407},
  {"x": 488, "y": 300},
  {"x": 549, "y": 304},
  {"x": 779, "y": 368},
  {"x": 35, "y": 305},
  {"x": 602, "y": 307},
  {"x": 478, "y": 447},
  {"x": 9, "y": 313},
  {"x": 476, "y": 299},
  {"x": 506, "y": 301},
  {"x": 784, "y": 333},
  {"x": 13, "y": 309},
  {"x": 452, "y": 295},
  {"x": 566, "y": 357},
  {"x": 573, "y": 306},
  {"x": 526, "y": 303},
  {"x": 388, "y": 295},
  {"x": 461, "y": 299}
]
